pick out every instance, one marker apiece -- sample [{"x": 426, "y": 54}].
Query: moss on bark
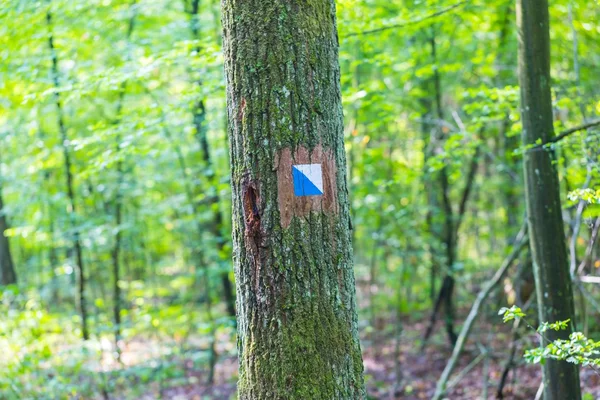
[{"x": 297, "y": 322}]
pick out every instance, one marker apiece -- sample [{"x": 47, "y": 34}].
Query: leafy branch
[
  {"x": 577, "y": 349},
  {"x": 564, "y": 134}
]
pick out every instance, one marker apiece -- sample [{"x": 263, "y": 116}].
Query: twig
[
  {"x": 588, "y": 279},
  {"x": 540, "y": 334},
  {"x": 578, "y": 128},
  {"x": 590, "y": 248},
  {"x": 467, "y": 190},
  {"x": 588, "y": 296},
  {"x": 566, "y": 133},
  {"x": 577, "y": 223},
  {"x": 509, "y": 171},
  {"x": 459, "y": 121},
  {"x": 436, "y": 122},
  {"x": 466, "y": 370},
  {"x": 511, "y": 356},
  {"x": 411, "y": 22},
  {"x": 540, "y": 391}
]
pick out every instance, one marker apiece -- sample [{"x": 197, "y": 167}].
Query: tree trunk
[
  {"x": 449, "y": 232},
  {"x": 118, "y": 200},
  {"x": 8, "y": 275},
  {"x": 428, "y": 184},
  {"x": 199, "y": 118},
  {"x": 7, "y": 269},
  {"x": 72, "y": 209},
  {"x": 547, "y": 236},
  {"x": 297, "y": 321}
]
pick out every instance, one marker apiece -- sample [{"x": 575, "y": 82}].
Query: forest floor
[
  {"x": 167, "y": 358},
  {"x": 420, "y": 369}
]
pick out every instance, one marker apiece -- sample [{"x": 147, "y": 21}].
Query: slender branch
[
  {"x": 510, "y": 362},
  {"x": 544, "y": 337},
  {"x": 467, "y": 190},
  {"x": 540, "y": 391},
  {"x": 410, "y": 22},
  {"x": 506, "y": 168},
  {"x": 590, "y": 247},
  {"x": 588, "y": 279},
  {"x": 567, "y": 133},
  {"x": 180, "y": 157},
  {"x": 577, "y": 224},
  {"x": 466, "y": 370},
  {"x": 588, "y": 296},
  {"x": 522, "y": 241},
  {"x": 578, "y": 128}
]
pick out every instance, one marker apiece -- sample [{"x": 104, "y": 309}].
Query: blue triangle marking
[{"x": 302, "y": 185}]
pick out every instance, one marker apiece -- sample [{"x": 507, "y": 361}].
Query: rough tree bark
[
  {"x": 547, "y": 235},
  {"x": 297, "y": 321}
]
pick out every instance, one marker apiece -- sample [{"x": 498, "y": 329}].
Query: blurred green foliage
[{"x": 163, "y": 70}]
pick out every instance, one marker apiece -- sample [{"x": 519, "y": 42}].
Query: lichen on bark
[{"x": 297, "y": 321}]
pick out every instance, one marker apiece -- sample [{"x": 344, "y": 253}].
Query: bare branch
[
  {"x": 411, "y": 22},
  {"x": 467, "y": 190},
  {"x": 521, "y": 241},
  {"x": 578, "y": 128},
  {"x": 567, "y": 133}
]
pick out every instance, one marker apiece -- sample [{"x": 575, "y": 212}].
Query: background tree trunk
[
  {"x": 547, "y": 236},
  {"x": 199, "y": 118},
  {"x": 72, "y": 209},
  {"x": 297, "y": 321},
  {"x": 7, "y": 269}
]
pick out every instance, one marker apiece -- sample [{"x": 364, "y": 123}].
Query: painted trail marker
[
  {"x": 308, "y": 179},
  {"x": 306, "y": 182}
]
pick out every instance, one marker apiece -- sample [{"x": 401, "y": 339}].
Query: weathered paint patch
[
  {"x": 291, "y": 204},
  {"x": 308, "y": 179}
]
